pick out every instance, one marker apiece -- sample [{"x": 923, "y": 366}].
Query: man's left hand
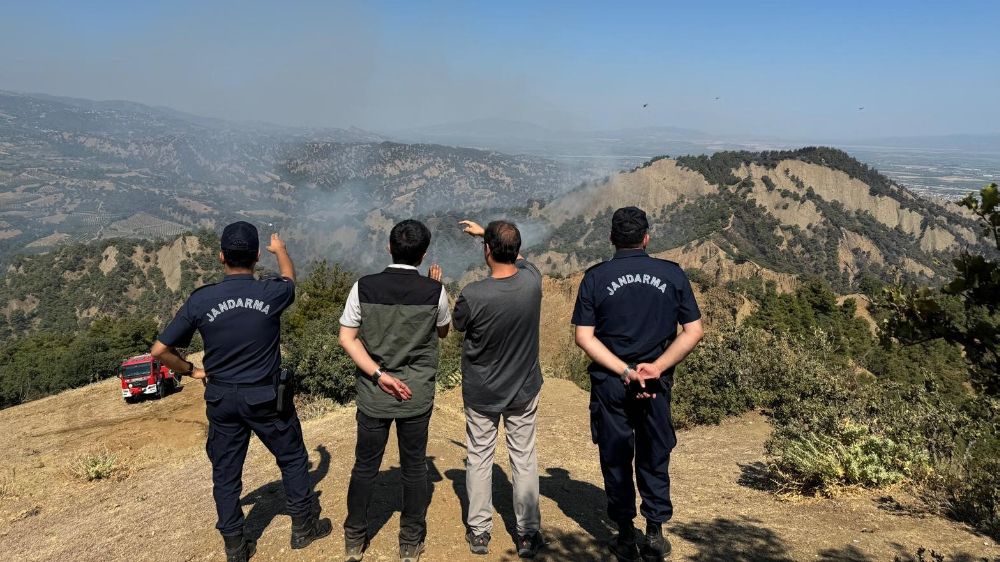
[
  {"x": 646, "y": 372},
  {"x": 434, "y": 272}
]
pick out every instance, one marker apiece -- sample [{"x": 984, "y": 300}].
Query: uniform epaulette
[
  {"x": 595, "y": 266},
  {"x": 668, "y": 261},
  {"x": 203, "y": 286}
]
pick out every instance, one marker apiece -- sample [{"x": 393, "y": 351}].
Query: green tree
[{"x": 966, "y": 311}]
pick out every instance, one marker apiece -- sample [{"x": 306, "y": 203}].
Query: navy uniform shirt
[
  {"x": 634, "y": 302},
  {"x": 240, "y": 321}
]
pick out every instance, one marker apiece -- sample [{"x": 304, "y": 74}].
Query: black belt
[{"x": 266, "y": 382}]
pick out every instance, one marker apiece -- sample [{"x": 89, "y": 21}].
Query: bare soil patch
[{"x": 162, "y": 508}]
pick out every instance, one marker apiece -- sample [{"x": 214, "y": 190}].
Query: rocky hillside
[
  {"x": 814, "y": 211},
  {"x": 73, "y": 170},
  {"x": 64, "y": 289}
]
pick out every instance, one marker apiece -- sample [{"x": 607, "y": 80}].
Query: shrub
[
  {"x": 450, "y": 361},
  {"x": 320, "y": 365},
  {"x": 309, "y": 406},
  {"x": 569, "y": 363},
  {"x": 96, "y": 465},
  {"x": 852, "y": 456},
  {"x": 720, "y": 378}
]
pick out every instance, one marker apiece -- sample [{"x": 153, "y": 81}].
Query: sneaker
[
  {"x": 308, "y": 528},
  {"x": 355, "y": 552},
  {"x": 410, "y": 552},
  {"x": 656, "y": 546},
  {"x": 529, "y": 545},
  {"x": 624, "y": 547},
  {"x": 239, "y": 548},
  {"x": 478, "y": 544}
]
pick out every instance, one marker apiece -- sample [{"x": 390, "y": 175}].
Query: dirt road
[{"x": 161, "y": 507}]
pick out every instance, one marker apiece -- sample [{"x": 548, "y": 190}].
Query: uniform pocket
[
  {"x": 595, "y": 420},
  {"x": 208, "y": 442},
  {"x": 213, "y": 395},
  {"x": 260, "y": 401}
]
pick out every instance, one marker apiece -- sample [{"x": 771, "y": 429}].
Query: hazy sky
[{"x": 791, "y": 69}]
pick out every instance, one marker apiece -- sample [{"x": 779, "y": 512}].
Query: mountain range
[{"x": 89, "y": 184}]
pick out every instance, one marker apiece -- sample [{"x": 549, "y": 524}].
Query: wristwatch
[
  {"x": 628, "y": 371},
  {"x": 190, "y": 369},
  {"x": 376, "y": 376}
]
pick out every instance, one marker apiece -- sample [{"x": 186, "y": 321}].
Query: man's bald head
[{"x": 504, "y": 241}]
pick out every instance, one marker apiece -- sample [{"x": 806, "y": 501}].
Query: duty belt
[{"x": 266, "y": 382}]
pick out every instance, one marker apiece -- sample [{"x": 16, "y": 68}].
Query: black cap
[
  {"x": 628, "y": 226},
  {"x": 240, "y": 236}
]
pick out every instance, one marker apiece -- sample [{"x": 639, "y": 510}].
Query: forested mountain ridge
[
  {"x": 65, "y": 290},
  {"x": 814, "y": 211},
  {"x": 777, "y": 216},
  {"x": 76, "y": 170}
]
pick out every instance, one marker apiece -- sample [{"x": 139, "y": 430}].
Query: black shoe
[
  {"x": 308, "y": 528},
  {"x": 529, "y": 545},
  {"x": 355, "y": 552},
  {"x": 410, "y": 552},
  {"x": 656, "y": 546},
  {"x": 624, "y": 547},
  {"x": 239, "y": 548},
  {"x": 478, "y": 544}
]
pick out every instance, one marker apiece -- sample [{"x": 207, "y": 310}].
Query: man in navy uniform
[
  {"x": 626, "y": 316},
  {"x": 239, "y": 320}
]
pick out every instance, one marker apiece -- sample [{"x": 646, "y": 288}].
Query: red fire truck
[{"x": 144, "y": 376}]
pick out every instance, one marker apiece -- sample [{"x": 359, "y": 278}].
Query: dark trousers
[
  {"x": 373, "y": 434},
  {"x": 235, "y": 412},
  {"x": 625, "y": 428}
]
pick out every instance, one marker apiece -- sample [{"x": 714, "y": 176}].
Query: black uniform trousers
[
  {"x": 373, "y": 434},
  {"x": 626, "y": 428},
  {"x": 233, "y": 413}
]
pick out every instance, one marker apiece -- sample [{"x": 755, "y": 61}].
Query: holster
[{"x": 285, "y": 391}]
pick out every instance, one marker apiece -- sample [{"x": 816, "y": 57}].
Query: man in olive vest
[{"x": 390, "y": 327}]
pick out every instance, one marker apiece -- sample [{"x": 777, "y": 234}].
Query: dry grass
[
  {"x": 8, "y": 489},
  {"x": 311, "y": 406}
]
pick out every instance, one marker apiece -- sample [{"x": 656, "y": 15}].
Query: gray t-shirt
[{"x": 500, "y": 318}]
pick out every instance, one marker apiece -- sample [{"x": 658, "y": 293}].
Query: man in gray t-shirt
[{"x": 501, "y": 379}]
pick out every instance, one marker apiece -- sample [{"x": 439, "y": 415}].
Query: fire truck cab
[{"x": 142, "y": 375}]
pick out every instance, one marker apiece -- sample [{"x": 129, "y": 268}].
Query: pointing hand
[
  {"x": 276, "y": 245},
  {"x": 472, "y": 228}
]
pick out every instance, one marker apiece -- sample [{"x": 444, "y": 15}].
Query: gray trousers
[{"x": 481, "y": 439}]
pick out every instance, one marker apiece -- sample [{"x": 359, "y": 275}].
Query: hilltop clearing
[{"x": 160, "y": 507}]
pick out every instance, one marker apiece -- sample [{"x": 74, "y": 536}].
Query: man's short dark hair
[
  {"x": 408, "y": 242},
  {"x": 240, "y": 259},
  {"x": 504, "y": 241},
  {"x": 628, "y": 227}
]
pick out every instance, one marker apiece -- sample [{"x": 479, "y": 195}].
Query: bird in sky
[
  {"x": 716, "y": 98},
  {"x": 644, "y": 105},
  {"x": 860, "y": 108}
]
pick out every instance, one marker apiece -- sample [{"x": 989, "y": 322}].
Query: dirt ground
[{"x": 160, "y": 506}]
